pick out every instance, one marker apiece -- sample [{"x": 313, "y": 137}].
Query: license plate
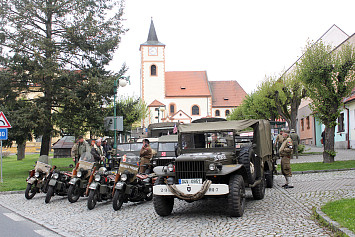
[{"x": 190, "y": 181}]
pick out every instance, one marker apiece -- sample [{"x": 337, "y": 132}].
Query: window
[
  {"x": 302, "y": 124},
  {"x": 217, "y": 113},
  {"x": 227, "y": 112},
  {"x": 341, "y": 123},
  {"x": 172, "y": 109},
  {"x": 153, "y": 70},
  {"x": 307, "y": 123},
  {"x": 195, "y": 110}
]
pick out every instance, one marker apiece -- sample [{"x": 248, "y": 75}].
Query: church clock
[{"x": 153, "y": 51}]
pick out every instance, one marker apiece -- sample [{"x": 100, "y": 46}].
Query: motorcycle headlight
[
  {"x": 97, "y": 178},
  {"x": 124, "y": 177},
  {"x": 37, "y": 174},
  {"x": 171, "y": 167},
  {"x": 79, "y": 174},
  {"x": 55, "y": 176},
  {"x": 212, "y": 167}
]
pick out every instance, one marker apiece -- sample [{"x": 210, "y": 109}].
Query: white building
[{"x": 181, "y": 96}]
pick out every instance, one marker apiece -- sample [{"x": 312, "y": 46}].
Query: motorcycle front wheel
[
  {"x": 92, "y": 199},
  {"x": 117, "y": 200},
  {"x": 74, "y": 192},
  {"x": 49, "y": 195},
  {"x": 31, "y": 191}
]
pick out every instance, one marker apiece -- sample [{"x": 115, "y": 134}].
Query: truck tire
[
  {"x": 163, "y": 205},
  {"x": 269, "y": 178},
  {"x": 259, "y": 190},
  {"x": 236, "y": 196},
  {"x": 246, "y": 158}
]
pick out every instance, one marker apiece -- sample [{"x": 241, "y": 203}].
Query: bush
[{"x": 301, "y": 148}]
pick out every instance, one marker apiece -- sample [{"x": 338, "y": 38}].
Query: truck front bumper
[{"x": 213, "y": 190}]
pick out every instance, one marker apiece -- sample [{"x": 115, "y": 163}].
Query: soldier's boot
[
  {"x": 289, "y": 183},
  {"x": 286, "y": 184}
]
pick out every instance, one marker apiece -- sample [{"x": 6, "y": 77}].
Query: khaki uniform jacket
[
  {"x": 295, "y": 138},
  {"x": 285, "y": 153},
  {"x": 279, "y": 139},
  {"x": 284, "y": 149},
  {"x": 146, "y": 152},
  {"x": 80, "y": 148}
]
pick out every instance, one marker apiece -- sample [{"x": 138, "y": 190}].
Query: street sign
[
  {"x": 109, "y": 123},
  {"x": 4, "y": 123},
  {"x": 3, "y": 133}
]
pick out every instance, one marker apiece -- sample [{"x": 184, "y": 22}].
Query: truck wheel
[
  {"x": 163, "y": 205},
  {"x": 31, "y": 191},
  {"x": 236, "y": 196},
  {"x": 74, "y": 192},
  {"x": 269, "y": 178},
  {"x": 49, "y": 195},
  {"x": 246, "y": 158},
  {"x": 259, "y": 190}
]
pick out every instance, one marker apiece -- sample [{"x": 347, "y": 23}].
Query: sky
[{"x": 230, "y": 39}]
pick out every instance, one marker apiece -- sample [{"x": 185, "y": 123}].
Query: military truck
[
  {"x": 166, "y": 151},
  {"x": 214, "y": 160}
]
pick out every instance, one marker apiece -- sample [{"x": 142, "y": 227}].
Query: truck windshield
[{"x": 207, "y": 140}]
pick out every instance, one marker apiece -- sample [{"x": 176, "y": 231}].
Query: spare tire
[{"x": 247, "y": 158}]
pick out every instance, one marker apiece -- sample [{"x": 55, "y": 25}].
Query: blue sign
[{"x": 3, "y": 133}]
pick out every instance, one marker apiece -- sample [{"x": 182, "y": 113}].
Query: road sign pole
[{"x": 1, "y": 161}]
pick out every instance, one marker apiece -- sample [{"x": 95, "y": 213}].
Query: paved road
[
  {"x": 281, "y": 213},
  {"x": 11, "y": 224}
]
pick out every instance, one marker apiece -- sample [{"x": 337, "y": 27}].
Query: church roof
[
  {"x": 156, "y": 103},
  {"x": 226, "y": 93},
  {"x": 186, "y": 83},
  {"x": 152, "y": 36}
]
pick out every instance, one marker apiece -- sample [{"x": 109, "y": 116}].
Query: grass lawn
[
  {"x": 322, "y": 166},
  {"x": 15, "y": 172},
  {"x": 342, "y": 211}
]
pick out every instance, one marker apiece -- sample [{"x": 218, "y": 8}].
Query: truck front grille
[{"x": 190, "y": 170}]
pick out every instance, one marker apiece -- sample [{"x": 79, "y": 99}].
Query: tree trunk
[
  {"x": 21, "y": 148},
  {"x": 46, "y": 141},
  {"x": 329, "y": 153},
  {"x": 293, "y": 119}
]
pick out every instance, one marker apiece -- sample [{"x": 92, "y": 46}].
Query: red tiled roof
[
  {"x": 186, "y": 83},
  {"x": 156, "y": 103},
  {"x": 351, "y": 97},
  {"x": 226, "y": 93}
]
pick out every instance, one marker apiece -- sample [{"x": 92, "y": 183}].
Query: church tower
[{"x": 153, "y": 75}]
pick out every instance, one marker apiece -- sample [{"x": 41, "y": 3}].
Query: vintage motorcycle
[
  {"x": 38, "y": 179},
  {"x": 58, "y": 184},
  {"x": 131, "y": 186},
  {"x": 80, "y": 178},
  {"x": 101, "y": 187}
]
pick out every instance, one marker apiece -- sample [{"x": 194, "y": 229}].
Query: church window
[
  {"x": 227, "y": 112},
  {"x": 195, "y": 110},
  {"x": 172, "y": 109},
  {"x": 217, "y": 113},
  {"x": 153, "y": 70}
]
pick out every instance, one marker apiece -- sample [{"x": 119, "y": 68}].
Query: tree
[
  {"x": 44, "y": 43},
  {"x": 328, "y": 77},
  {"x": 287, "y": 93}
]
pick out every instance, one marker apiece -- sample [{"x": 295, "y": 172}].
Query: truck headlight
[
  {"x": 97, "y": 178},
  {"x": 212, "y": 167},
  {"x": 154, "y": 162},
  {"x": 124, "y": 177},
  {"x": 55, "y": 176}
]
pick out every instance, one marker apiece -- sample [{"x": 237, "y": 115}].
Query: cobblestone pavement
[
  {"x": 342, "y": 154},
  {"x": 281, "y": 213}
]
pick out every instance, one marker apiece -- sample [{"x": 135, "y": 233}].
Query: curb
[
  {"x": 12, "y": 192},
  {"x": 317, "y": 171},
  {"x": 333, "y": 225}
]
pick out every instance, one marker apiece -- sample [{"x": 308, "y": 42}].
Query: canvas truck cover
[
  {"x": 168, "y": 138},
  {"x": 262, "y": 131}
]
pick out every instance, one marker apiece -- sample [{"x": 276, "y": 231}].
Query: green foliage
[
  {"x": 342, "y": 211},
  {"x": 59, "y": 50},
  {"x": 300, "y": 148}
]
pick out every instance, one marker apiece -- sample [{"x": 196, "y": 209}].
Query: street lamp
[{"x": 122, "y": 82}]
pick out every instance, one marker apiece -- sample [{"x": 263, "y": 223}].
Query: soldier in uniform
[
  {"x": 145, "y": 154},
  {"x": 278, "y": 142},
  {"x": 80, "y": 147},
  {"x": 98, "y": 152},
  {"x": 296, "y": 140},
  {"x": 286, "y": 150}
]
